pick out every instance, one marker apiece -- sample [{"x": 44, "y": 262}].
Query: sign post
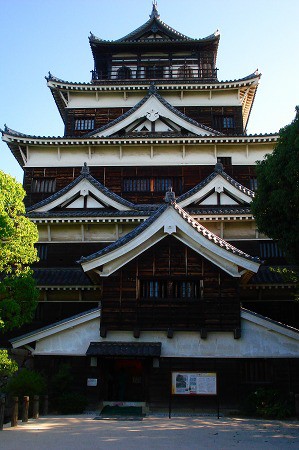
[{"x": 194, "y": 384}]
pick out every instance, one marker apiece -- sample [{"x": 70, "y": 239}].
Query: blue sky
[{"x": 38, "y": 36}]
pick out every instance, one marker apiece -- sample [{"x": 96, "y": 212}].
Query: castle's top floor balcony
[{"x": 155, "y": 69}]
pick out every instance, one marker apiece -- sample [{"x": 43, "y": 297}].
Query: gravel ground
[{"x": 153, "y": 432}]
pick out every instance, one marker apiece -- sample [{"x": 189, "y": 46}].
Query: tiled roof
[
  {"x": 153, "y": 91},
  {"x": 155, "y": 24},
  {"x": 268, "y": 275},
  {"x": 211, "y": 236},
  {"x": 218, "y": 171},
  {"x": 140, "y": 210},
  {"x": 84, "y": 175},
  {"x": 211, "y": 210},
  {"x": 61, "y": 276},
  {"x": 207, "y": 234},
  {"x": 128, "y": 237}
]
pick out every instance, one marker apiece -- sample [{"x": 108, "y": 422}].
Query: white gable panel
[
  {"x": 226, "y": 200},
  {"x": 78, "y": 203},
  {"x": 92, "y": 203},
  {"x": 211, "y": 200},
  {"x": 258, "y": 340},
  {"x": 171, "y": 222},
  {"x": 153, "y": 108},
  {"x": 84, "y": 188},
  {"x": 218, "y": 184}
]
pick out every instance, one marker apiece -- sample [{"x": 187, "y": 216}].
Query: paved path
[{"x": 184, "y": 433}]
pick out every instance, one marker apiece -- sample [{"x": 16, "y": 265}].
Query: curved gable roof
[
  {"x": 209, "y": 185},
  {"x": 170, "y": 219},
  {"x": 153, "y": 102},
  {"x": 84, "y": 182},
  {"x": 155, "y": 25}
]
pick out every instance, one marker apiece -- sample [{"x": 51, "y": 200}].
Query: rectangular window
[
  {"x": 270, "y": 250},
  {"x": 84, "y": 124},
  {"x": 152, "y": 184},
  {"x": 225, "y": 160},
  {"x": 228, "y": 122},
  {"x": 224, "y": 123},
  {"x": 253, "y": 183},
  {"x": 174, "y": 289},
  {"x": 42, "y": 251},
  {"x": 43, "y": 185}
]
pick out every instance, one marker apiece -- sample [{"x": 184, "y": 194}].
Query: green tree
[
  {"x": 7, "y": 368},
  {"x": 276, "y": 204},
  {"x": 18, "y": 293}
]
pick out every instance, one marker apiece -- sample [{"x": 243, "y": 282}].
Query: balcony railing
[{"x": 154, "y": 72}]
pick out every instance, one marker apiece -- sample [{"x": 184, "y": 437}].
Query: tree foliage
[
  {"x": 276, "y": 204},
  {"x": 18, "y": 293},
  {"x": 7, "y": 367}
]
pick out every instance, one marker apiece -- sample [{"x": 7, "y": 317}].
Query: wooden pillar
[
  {"x": 25, "y": 408},
  {"x": 2, "y": 406},
  {"x": 15, "y": 411},
  {"x": 35, "y": 414}
]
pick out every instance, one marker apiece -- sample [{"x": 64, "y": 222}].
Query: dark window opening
[
  {"x": 84, "y": 124},
  {"x": 43, "y": 185},
  {"x": 42, "y": 251},
  {"x": 124, "y": 73},
  {"x": 225, "y": 160}
]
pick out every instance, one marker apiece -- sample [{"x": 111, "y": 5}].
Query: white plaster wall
[
  {"x": 135, "y": 154},
  {"x": 256, "y": 342},
  {"x": 113, "y": 99}
]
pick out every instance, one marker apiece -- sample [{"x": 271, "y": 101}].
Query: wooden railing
[{"x": 155, "y": 73}]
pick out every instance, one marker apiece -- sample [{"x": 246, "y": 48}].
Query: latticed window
[
  {"x": 270, "y": 250},
  {"x": 175, "y": 289},
  {"x": 42, "y": 251},
  {"x": 84, "y": 124},
  {"x": 152, "y": 184},
  {"x": 224, "y": 122},
  {"x": 228, "y": 122},
  {"x": 43, "y": 185},
  {"x": 253, "y": 183}
]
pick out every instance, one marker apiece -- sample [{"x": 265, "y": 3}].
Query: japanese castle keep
[{"x": 154, "y": 280}]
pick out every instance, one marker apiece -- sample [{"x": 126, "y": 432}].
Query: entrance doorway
[{"x": 125, "y": 379}]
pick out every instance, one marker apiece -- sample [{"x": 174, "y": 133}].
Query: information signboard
[{"x": 194, "y": 383}]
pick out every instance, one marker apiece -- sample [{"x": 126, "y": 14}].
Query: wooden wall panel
[{"x": 170, "y": 261}]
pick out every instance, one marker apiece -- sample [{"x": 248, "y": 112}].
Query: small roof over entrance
[{"x": 124, "y": 349}]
